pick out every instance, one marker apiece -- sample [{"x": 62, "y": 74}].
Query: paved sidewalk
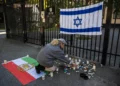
[{"x": 11, "y": 49}]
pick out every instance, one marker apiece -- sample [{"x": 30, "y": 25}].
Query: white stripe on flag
[
  {"x": 31, "y": 71},
  {"x": 19, "y": 61}
]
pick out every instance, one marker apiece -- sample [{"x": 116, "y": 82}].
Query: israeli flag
[{"x": 84, "y": 20}]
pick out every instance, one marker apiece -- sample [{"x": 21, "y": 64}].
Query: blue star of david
[{"x": 77, "y": 21}]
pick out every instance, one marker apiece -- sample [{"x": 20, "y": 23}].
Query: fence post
[
  {"x": 24, "y": 21},
  {"x": 43, "y": 36},
  {"x": 5, "y": 20},
  {"x": 41, "y": 8},
  {"x": 71, "y": 40},
  {"x": 107, "y": 30}
]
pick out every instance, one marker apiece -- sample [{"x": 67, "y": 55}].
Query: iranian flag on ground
[{"x": 23, "y": 69}]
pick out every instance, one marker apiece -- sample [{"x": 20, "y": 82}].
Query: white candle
[
  {"x": 94, "y": 67},
  {"x": 43, "y": 77},
  {"x": 73, "y": 68},
  {"x": 51, "y": 74},
  {"x": 5, "y": 61},
  {"x": 87, "y": 62},
  {"x": 70, "y": 59},
  {"x": 79, "y": 60},
  {"x": 66, "y": 55},
  {"x": 57, "y": 69},
  {"x": 27, "y": 55}
]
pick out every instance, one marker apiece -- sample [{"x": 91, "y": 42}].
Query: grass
[
  {"x": 83, "y": 37},
  {"x": 2, "y": 26},
  {"x": 52, "y": 29}
]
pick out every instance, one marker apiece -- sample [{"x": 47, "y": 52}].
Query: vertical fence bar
[
  {"x": 101, "y": 36},
  {"x": 34, "y": 22},
  {"x": 54, "y": 24},
  {"x": 119, "y": 63},
  {"x": 37, "y": 30},
  {"x": 24, "y": 21},
  {"x": 96, "y": 40},
  {"x": 80, "y": 41},
  {"x": 48, "y": 29},
  {"x": 75, "y": 40},
  {"x": 87, "y": 36},
  {"x": 95, "y": 49},
  {"x": 91, "y": 41},
  {"x": 68, "y": 47},
  {"x": 107, "y": 27},
  {"x": 65, "y": 22},
  {"x": 5, "y": 20},
  {"x": 79, "y": 37},
  {"x": 39, "y": 23},
  {"x": 52, "y": 31},
  {"x": 30, "y": 26},
  {"x": 58, "y": 24},
  {"x": 66, "y": 38},
  {"x": 67, "y": 35},
  {"x": 56, "y": 13},
  {"x": 49, "y": 24},
  {"x": 71, "y": 36},
  {"x": 83, "y": 36},
  {"x": 111, "y": 48},
  {"x": 99, "y": 49},
  {"x": 70, "y": 1},
  {"x": 43, "y": 27}
]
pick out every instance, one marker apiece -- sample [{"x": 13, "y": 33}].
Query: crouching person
[{"x": 49, "y": 53}]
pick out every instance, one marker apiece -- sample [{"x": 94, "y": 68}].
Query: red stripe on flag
[{"x": 22, "y": 76}]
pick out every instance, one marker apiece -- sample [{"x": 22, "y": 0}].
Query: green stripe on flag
[{"x": 30, "y": 60}]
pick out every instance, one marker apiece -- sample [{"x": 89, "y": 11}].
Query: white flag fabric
[{"x": 84, "y": 20}]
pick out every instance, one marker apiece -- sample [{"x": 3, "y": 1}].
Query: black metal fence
[{"x": 24, "y": 20}]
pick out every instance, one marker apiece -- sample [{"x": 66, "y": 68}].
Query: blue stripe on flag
[
  {"x": 94, "y": 29},
  {"x": 90, "y": 10}
]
